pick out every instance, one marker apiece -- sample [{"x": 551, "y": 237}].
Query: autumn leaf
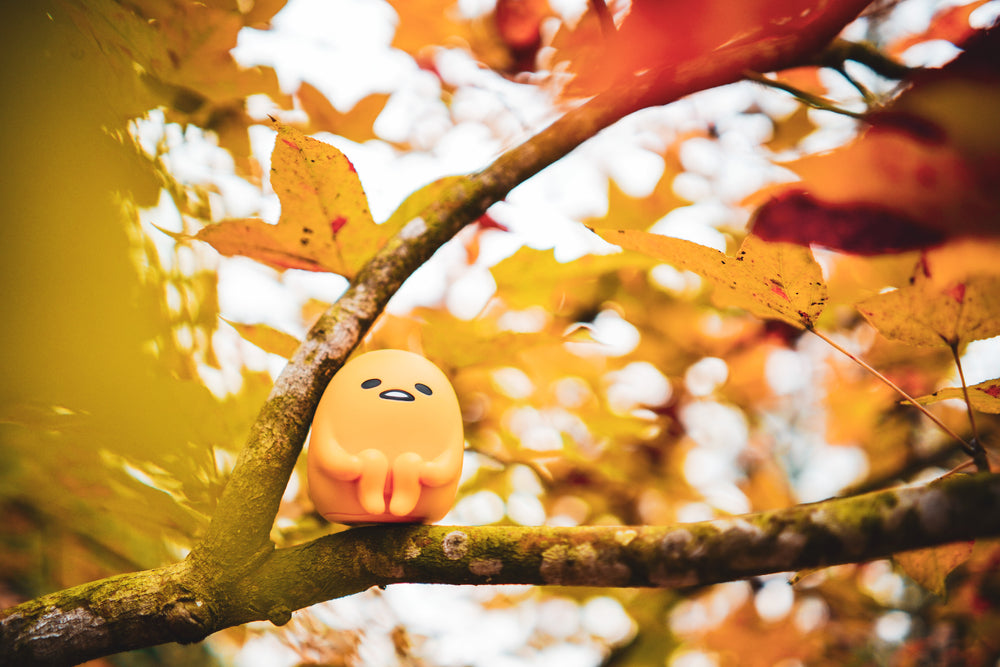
[
  {"x": 930, "y": 567},
  {"x": 925, "y": 169},
  {"x": 771, "y": 280},
  {"x": 984, "y": 397},
  {"x": 791, "y": 130},
  {"x": 924, "y": 314},
  {"x": 355, "y": 124},
  {"x": 267, "y": 338},
  {"x": 627, "y": 212},
  {"x": 950, "y": 23},
  {"x": 424, "y": 25},
  {"x": 533, "y": 277},
  {"x": 325, "y": 224},
  {"x": 656, "y": 34}
]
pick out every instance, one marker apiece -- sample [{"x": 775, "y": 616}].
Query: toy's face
[
  {"x": 379, "y": 389},
  {"x": 393, "y": 401}
]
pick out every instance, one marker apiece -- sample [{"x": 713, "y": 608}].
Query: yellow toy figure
[{"x": 387, "y": 441}]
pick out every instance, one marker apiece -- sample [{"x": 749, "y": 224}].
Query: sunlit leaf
[
  {"x": 532, "y": 277},
  {"x": 791, "y": 130},
  {"x": 628, "y": 212},
  {"x": 984, "y": 397},
  {"x": 931, "y": 567},
  {"x": 325, "y": 224},
  {"x": 772, "y": 280},
  {"x": 356, "y": 124},
  {"x": 925, "y": 314},
  {"x": 267, "y": 338}
]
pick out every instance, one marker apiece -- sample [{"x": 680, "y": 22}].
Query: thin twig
[
  {"x": 807, "y": 98},
  {"x": 899, "y": 390},
  {"x": 841, "y": 50}
]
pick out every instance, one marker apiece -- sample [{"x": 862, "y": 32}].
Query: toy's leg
[
  {"x": 371, "y": 485},
  {"x": 405, "y": 483}
]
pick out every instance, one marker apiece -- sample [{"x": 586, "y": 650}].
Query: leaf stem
[
  {"x": 978, "y": 454},
  {"x": 807, "y": 98},
  {"x": 841, "y": 50},
  {"x": 970, "y": 449}
]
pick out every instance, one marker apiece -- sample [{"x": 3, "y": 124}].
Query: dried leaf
[
  {"x": 772, "y": 280},
  {"x": 325, "y": 224},
  {"x": 930, "y": 567},
  {"x": 267, "y": 338},
  {"x": 984, "y": 397}
]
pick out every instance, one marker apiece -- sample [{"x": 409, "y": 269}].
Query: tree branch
[{"x": 155, "y": 606}]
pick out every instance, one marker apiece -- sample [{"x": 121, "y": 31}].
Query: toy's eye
[
  {"x": 368, "y": 384},
  {"x": 423, "y": 389}
]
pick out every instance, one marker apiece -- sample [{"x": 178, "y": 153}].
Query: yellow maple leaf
[
  {"x": 984, "y": 397},
  {"x": 924, "y": 313},
  {"x": 771, "y": 280},
  {"x": 267, "y": 338},
  {"x": 325, "y": 224}
]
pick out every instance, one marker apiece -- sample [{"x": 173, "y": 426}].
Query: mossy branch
[{"x": 156, "y": 606}]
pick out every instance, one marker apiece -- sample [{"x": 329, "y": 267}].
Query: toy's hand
[
  {"x": 337, "y": 463},
  {"x": 371, "y": 487},
  {"x": 445, "y": 468},
  {"x": 405, "y": 483}
]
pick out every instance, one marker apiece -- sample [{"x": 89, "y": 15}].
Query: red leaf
[{"x": 861, "y": 228}]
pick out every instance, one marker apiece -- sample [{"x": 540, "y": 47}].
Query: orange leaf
[
  {"x": 656, "y": 34},
  {"x": 772, "y": 280},
  {"x": 325, "y": 224},
  {"x": 355, "y": 124},
  {"x": 930, "y": 567},
  {"x": 950, "y": 23}
]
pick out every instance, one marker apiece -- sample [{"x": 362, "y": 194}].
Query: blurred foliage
[{"x": 646, "y": 387}]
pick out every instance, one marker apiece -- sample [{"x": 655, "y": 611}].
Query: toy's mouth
[{"x": 396, "y": 395}]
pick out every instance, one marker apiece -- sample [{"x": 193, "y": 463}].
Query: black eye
[
  {"x": 368, "y": 384},
  {"x": 423, "y": 389}
]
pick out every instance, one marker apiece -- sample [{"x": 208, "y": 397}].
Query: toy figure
[{"x": 387, "y": 441}]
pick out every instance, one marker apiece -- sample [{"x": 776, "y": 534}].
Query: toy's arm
[
  {"x": 445, "y": 468},
  {"x": 334, "y": 461}
]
